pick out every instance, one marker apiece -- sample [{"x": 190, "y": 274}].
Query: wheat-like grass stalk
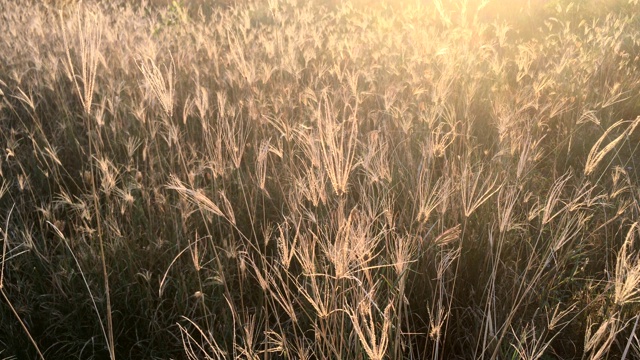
[
  {"x": 627, "y": 278},
  {"x": 373, "y": 338},
  {"x": 194, "y": 196},
  {"x": 597, "y": 154},
  {"x": 161, "y": 85},
  {"x": 553, "y": 198},
  {"x": 431, "y": 195},
  {"x": 474, "y": 192},
  {"x": 598, "y": 343},
  {"x": 89, "y": 32},
  {"x": 338, "y": 144}
]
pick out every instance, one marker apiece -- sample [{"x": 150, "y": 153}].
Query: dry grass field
[{"x": 290, "y": 179}]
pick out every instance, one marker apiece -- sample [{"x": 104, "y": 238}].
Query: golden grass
[{"x": 309, "y": 180}]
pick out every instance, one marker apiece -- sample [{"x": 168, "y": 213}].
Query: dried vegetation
[{"x": 307, "y": 180}]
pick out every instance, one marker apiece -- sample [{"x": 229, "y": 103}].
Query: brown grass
[{"x": 308, "y": 180}]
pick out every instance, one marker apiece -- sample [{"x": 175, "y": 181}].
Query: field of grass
[{"x": 292, "y": 179}]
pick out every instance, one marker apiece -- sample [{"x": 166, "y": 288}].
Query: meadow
[{"x": 290, "y": 179}]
